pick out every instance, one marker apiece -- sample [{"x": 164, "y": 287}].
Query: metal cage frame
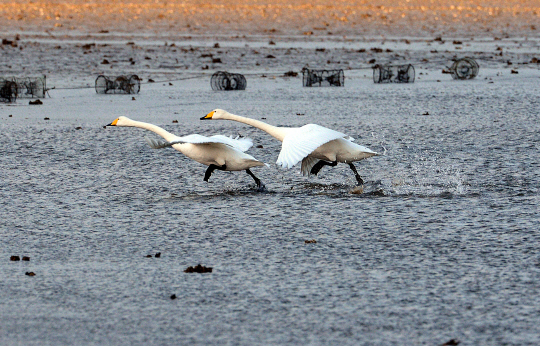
[
  {"x": 464, "y": 68},
  {"x": 393, "y": 73},
  {"x": 118, "y": 85},
  {"x": 322, "y": 78},
  {"x": 222, "y": 80},
  {"x": 8, "y": 91},
  {"x": 26, "y": 87}
]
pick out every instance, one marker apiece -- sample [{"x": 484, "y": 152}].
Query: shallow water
[{"x": 442, "y": 244}]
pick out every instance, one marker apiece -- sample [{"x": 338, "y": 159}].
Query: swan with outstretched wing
[
  {"x": 313, "y": 145},
  {"x": 217, "y": 152}
]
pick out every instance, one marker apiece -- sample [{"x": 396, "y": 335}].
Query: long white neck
[
  {"x": 156, "y": 129},
  {"x": 277, "y": 132}
]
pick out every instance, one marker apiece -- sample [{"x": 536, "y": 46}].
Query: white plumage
[
  {"x": 216, "y": 152},
  {"x": 302, "y": 141},
  {"x": 242, "y": 144},
  {"x": 316, "y": 146}
]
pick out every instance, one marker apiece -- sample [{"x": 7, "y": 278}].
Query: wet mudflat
[{"x": 442, "y": 244}]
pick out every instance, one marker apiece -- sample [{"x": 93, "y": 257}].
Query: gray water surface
[{"x": 443, "y": 243}]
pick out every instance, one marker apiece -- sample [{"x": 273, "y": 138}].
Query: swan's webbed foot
[
  {"x": 317, "y": 167},
  {"x": 261, "y": 188},
  {"x": 260, "y": 185},
  {"x": 356, "y": 175},
  {"x": 211, "y": 169}
]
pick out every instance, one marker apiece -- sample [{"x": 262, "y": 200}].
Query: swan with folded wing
[
  {"x": 217, "y": 152},
  {"x": 316, "y": 146}
]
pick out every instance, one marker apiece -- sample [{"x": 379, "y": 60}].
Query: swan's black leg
[
  {"x": 211, "y": 169},
  {"x": 259, "y": 183},
  {"x": 358, "y": 178},
  {"x": 317, "y": 167}
]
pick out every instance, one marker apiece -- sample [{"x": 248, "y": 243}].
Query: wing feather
[
  {"x": 307, "y": 165},
  {"x": 242, "y": 144},
  {"x": 303, "y": 141}
]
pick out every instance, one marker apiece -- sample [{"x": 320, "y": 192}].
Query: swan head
[
  {"x": 215, "y": 114},
  {"x": 120, "y": 121}
]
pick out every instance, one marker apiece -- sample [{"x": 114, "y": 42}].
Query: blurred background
[{"x": 278, "y": 17}]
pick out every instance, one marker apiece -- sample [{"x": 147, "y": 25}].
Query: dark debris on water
[
  {"x": 17, "y": 258},
  {"x": 198, "y": 269}
]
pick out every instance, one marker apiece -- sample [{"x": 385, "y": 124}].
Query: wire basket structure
[
  {"x": 323, "y": 78},
  {"x": 465, "y": 68},
  {"x": 8, "y": 90},
  {"x": 30, "y": 87},
  {"x": 222, "y": 80},
  {"x": 393, "y": 74},
  {"x": 118, "y": 85}
]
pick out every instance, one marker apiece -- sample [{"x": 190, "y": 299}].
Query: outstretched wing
[
  {"x": 155, "y": 144},
  {"x": 241, "y": 144},
  {"x": 303, "y": 141}
]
